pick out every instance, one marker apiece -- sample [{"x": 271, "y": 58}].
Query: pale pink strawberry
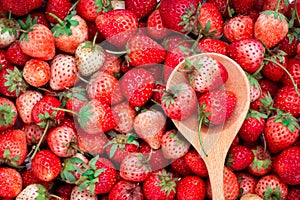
[
  {"x": 91, "y": 143},
  {"x": 33, "y": 133},
  {"x": 124, "y": 114},
  {"x": 78, "y": 194},
  {"x": 112, "y": 64}
]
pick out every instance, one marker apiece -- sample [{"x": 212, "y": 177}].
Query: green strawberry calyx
[
  {"x": 27, "y": 26},
  {"x": 170, "y": 95},
  {"x": 64, "y": 27},
  {"x": 272, "y": 194},
  {"x": 167, "y": 181},
  {"x": 70, "y": 166},
  {"x": 287, "y": 120},
  {"x": 261, "y": 159},
  {"x": 15, "y": 82},
  {"x": 103, "y": 5},
  {"x": 6, "y": 115}
]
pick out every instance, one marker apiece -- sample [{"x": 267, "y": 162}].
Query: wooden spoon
[{"x": 217, "y": 139}]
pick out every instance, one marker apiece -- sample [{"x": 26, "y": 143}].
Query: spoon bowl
[{"x": 216, "y": 139}]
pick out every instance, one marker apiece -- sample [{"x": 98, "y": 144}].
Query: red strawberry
[
  {"x": 160, "y": 185},
  {"x": 144, "y": 51},
  {"x": 213, "y": 45},
  {"x": 150, "y": 126},
  {"x": 124, "y": 190},
  {"x": 271, "y": 186},
  {"x": 9, "y": 31},
  {"x": 248, "y": 53},
  {"x": 287, "y": 166},
  {"x": 92, "y": 31},
  {"x": 108, "y": 25},
  {"x": 196, "y": 163},
  {"x": 181, "y": 167},
  {"x": 179, "y": 102},
  {"x": 271, "y": 5},
  {"x": 289, "y": 44},
  {"x": 247, "y": 183},
  {"x": 158, "y": 92},
  {"x": 281, "y": 131},
  {"x": 15, "y": 55},
  {"x": 8, "y": 113},
  {"x": 137, "y": 85},
  {"x": 64, "y": 190},
  {"x": 40, "y": 18},
  {"x": 124, "y": 115},
  {"x": 239, "y": 157},
  {"x": 191, "y": 187},
  {"x": 79, "y": 194},
  {"x": 33, "y": 133},
  {"x": 294, "y": 193},
  {"x": 293, "y": 67},
  {"x": 239, "y": 27},
  {"x": 11, "y": 184},
  {"x": 135, "y": 167},
  {"x": 46, "y": 165},
  {"x": 262, "y": 163},
  {"x": 33, "y": 191},
  {"x": 173, "y": 145},
  {"x": 58, "y": 8},
  {"x": 141, "y": 8},
  {"x": 273, "y": 71},
  {"x": 243, "y": 8},
  {"x": 252, "y": 126},
  {"x": 36, "y": 72},
  {"x": 155, "y": 27},
  {"x": 28, "y": 178},
  {"x": 264, "y": 104},
  {"x": 4, "y": 62},
  {"x": 298, "y": 50},
  {"x": 91, "y": 9},
  {"x": 20, "y": 8},
  {"x": 268, "y": 86},
  {"x": 91, "y": 143}
]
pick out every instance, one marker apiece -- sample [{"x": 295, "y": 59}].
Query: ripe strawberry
[
  {"x": 270, "y": 186},
  {"x": 247, "y": 183},
  {"x": 91, "y": 9},
  {"x": 289, "y": 44},
  {"x": 15, "y": 55},
  {"x": 268, "y": 86},
  {"x": 40, "y": 18},
  {"x": 124, "y": 115},
  {"x": 243, "y": 8},
  {"x": 213, "y": 45},
  {"x": 91, "y": 143},
  {"x": 9, "y": 31},
  {"x": 262, "y": 163},
  {"x": 294, "y": 193},
  {"x": 108, "y": 25},
  {"x": 293, "y": 67},
  {"x": 210, "y": 19},
  {"x": 28, "y": 178},
  {"x": 105, "y": 88},
  {"x": 238, "y": 27},
  {"x": 46, "y": 165},
  {"x": 239, "y": 157},
  {"x": 271, "y": 5},
  {"x": 33, "y": 191},
  {"x": 33, "y": 133},
  {"x": 298, "y": 50},
  {"x": 281, "y": 131},
  {"x": 20, "y": 8},
  {"x": 38, "y": 42},
  {"x": 273, "y": 71},
  {"x": 78, "y": 194},
  {"x": 158, "y": 92},
  {"x": 181, "y": 167},
  {"x": 13, "y": 147},
  {"x": 288, "y": 100},
  {"x": 64, "y": 190},
  {"x": 11, "y": 183},
  {"x": 137, "y": 85},
  {"x": 25, "y": 103},
  {"x": 252, "y": 126},
  {"x": 63, "y": 69},
  {"x": 248, "y": 53},
  {"x": 141, "y": 8},
  {"x": 36, "y": 72},
  {"x": 12, "y": 83},
  {"x": 179, "y": 102},
  {"x": 150, "y": 126},
  {"x": 135, "y": 167},
  {"x": 180, "y": 15},
  {"x": 68, "y": 34},
  {"x": 160, "y": 184},
  {"x": 191, "y": 187},
  {"x": 59, "y": 8},
  {"x": 287, "y": 166},
  {"x": 155, "y": 27},
  {"x": 195, "y": 163},
  {"x": 8, "y": 114},
  {"x": 4, "y": 62},
  {"x": 89, "y": 57},
  {"x": 124, "y": 190},
  {"x": 173, "y": 145}
]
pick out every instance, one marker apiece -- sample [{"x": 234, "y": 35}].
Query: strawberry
[
  {"x": 213, "y": 45},
  {"x": 8, "y": 113},
  {"x": 273, "y": 71},
  {"x": 252, "y": 126},
  {"x": 112, "y": 64},
  {"x": 238, "y": 28},
  {"x": 261, "y": 164},
  {"x": 124, "y": 190},
  {"x": 270, "y": 28},
  {"x": 105, "y": 88},
  {"x": 4, "y": 62},
  {"x": 135, "y": 167},
  {"x": 179, "y": 102},
  {"x": 33, "y": 133},
  {"x": 64, "y": 190},
  {"x": 191, "y": 187},
  {"x": 36, "y": 72},
  {"x": 15, "y": 55},
  {"x": 195, "y": 163},
  {"x": 298, "y": 50},
  {"x": 294, "y": 193},
  {"x": 60, "y": 141},
  {"x": 137, "y": 85},
  {"x": 108, "y": 25},
  {"x": 158, "y": 92},
  {"x": 248, "y": 53},
  {"x": 271, "y": 5},
  {"x": 150, "y": 126},
  {"x": 124, "y": 115},
  {"x": 20, "y": 8},
  {"x": 222, "y": 6},
  {"x": 173, "y": 145},
  {"x": 12, "y": 83},
  {"x": 239, "y": 157},
  {"x": 93, "y": 144},
  {"x": 91, "y": 9},
  {"x": 288, "y": 100},
  {"x": 144, "y": 51},
  {"x": 68, "y": 34},
  {"x": 90, "y": 57},
  {"x": 289, "y": 44},
  {"x": 247, "y": 183},
  {"x": 63, "y": 70},
  {"x": 13, "y": 147},
  {"x": 181, "y": 167},
  {"x": 270, "y": 186},
  {"x": 40, "y": 18},
  {"x": 155, "y": 27},
  {"x": 33, "y": 191},
  {"x": 9, "y": 31},
  {"x": 243, "y": 8},
  {"x": 293, "y": 67},
  {"x": 286, "y": 165},
  {"x": 11, "y": 184},
  {"x": 78, "y": 194},
  {"x": 180, "y": 15},
  {"x": 268, "y": 86},
  {"x": 141, "y": 8},
  {"x": 25, "y": 103},
  {"x": 281, "y": 131},
  {"x": 160, "y": 184},
  {"x": 28, "y": 178},
  {"x": 214, "y": 111},
  {"x": 37, "y": 42},
  {"x": 59, "y": 8},
  {"x": 46, "y": 165},
  {"x": 211, "y": 20}
]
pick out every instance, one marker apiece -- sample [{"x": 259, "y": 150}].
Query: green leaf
[
  {"x": 98, "y": 172},
  {"x": 84, "y": 115},
  {"x": 113, "y": 150},
  {"x": 93, "y": 162},
  {"x": 6, "y": 153}
]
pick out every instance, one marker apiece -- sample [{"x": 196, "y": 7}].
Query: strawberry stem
[
  {"x": 41, "y": 140},
  {"x": 94, "y": 39},
  {"x": 73, "y": 6},
  {"x": 200, "y": 135},
  {"x": 66, "y": 110},
  {"x": 277, "y": 6},
  {"x": 61, "y": 22},
  {"x": 82, "y": 79},
  {"x": 115, "y": 52}
]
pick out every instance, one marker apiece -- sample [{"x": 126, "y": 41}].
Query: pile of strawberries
[{"x": 84, "y": 111}]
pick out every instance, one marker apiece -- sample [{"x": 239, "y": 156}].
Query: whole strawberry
[
  {"x": 36, "y": 72},
  {"x": 8, "y": 113},
  {"x": 239, "y": 158},
  {"x": 33, "y": 133},
  {"x": 125, "y": 190},
  {"x": 212, "y": 45},
  {"x": 247, "y": 183},
  {"x": 191, "y": 187},
  {"x": 262, "y": 163},
  {"x": 11, "y": 183},
  {"x": 293, "y": 68},
  {"x": 270, "y": 186},
  {"x": 194, "y": 162}
]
